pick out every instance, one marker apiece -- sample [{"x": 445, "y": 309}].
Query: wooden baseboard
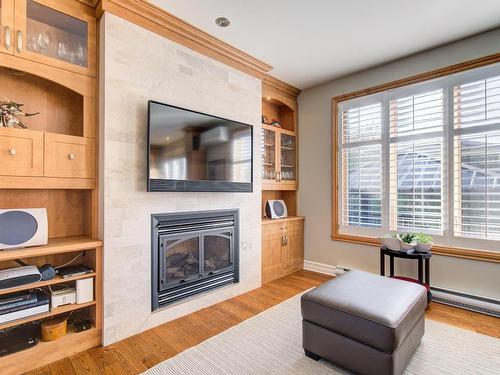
[{"x": 325, "y": 269}]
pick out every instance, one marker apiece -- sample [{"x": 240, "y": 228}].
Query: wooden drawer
[
  {"x": 69, "y": 156},
  {"x": 21, "y": 152}
]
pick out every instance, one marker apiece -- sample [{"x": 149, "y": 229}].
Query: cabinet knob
[
  {"x": 12, "y": 151},
  {"x": 71, "y": 156}
]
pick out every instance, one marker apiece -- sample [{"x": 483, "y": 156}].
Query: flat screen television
[{"x": 193, "y": 151}]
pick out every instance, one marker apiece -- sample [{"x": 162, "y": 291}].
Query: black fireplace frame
[{"x": 204, "y": 282}]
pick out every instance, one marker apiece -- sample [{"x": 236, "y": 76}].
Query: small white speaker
[
  {"x": 84, "y": 290},
  {"x": 23, "y": 227},
  {"x": 276, "y": 209}
]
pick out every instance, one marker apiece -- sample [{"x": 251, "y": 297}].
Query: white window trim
[{"x": 447, "y": 238}]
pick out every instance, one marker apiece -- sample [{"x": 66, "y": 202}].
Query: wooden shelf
[
  {"x": 46, "y": 352},
  {"x": 56, "y": 280},
  {"x": 290, "y": 218},
  {"x": 283, "y": 185},
  {"x": 55, "y": 246},
  {"x": 22, "y": 182},
  {"x": 48, "y": 314}
]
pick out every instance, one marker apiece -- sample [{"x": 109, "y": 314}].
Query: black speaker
[{"x": 47, "y": 271}]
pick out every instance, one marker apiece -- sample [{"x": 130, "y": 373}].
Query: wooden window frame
[{"x": 482, "y": 255}]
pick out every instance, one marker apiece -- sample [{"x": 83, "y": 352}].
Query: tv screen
[{"x": 192, "y": 151}]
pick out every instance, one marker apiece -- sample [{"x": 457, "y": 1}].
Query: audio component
[
  {"x": 276, "y": 209},
  {"x": 23, "y": 227}
]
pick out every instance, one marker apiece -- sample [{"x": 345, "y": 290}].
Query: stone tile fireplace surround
[{"x": 158, "y": 69}]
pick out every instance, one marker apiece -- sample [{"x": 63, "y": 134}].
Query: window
[{"x": 423, "y": 157}]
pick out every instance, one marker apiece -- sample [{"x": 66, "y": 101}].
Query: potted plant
[
  {"x": 424, "y": 243},
  {"x": 407, "y": 241}
]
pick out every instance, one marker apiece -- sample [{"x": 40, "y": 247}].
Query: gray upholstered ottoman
[{"x": 365, "y": 323}]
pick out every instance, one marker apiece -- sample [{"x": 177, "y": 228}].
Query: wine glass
[
  {"x": 43, "y": 41},
  {"x": 80, "y": 55},
  {"x": 62, "y": 51}
]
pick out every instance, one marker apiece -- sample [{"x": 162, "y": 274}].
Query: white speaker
[
  {"x": 85, "y": 290},
  {"x": 23, "y": 227},
  {"x": 276, "y": 209}
]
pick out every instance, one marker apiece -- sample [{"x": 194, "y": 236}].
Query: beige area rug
[{"x": 271, "y": 343}]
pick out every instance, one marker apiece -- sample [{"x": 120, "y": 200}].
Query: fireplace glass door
[
  {"x": 217, "y": 251},
  {"x": 180, "y": 259}
]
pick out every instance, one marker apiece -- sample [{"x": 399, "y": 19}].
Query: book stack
[{"x": 22, "y": 304}]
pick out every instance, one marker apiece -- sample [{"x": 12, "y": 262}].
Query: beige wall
[
  {"x": 479, "y": 278},
  {"x": 137, "y": 65}
]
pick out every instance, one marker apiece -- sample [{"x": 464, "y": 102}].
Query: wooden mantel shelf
[{"x": 55, "y": 246}]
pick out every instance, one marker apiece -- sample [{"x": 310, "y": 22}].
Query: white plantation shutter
[
  {"x": 416, "y": 137},
  {"x": 361, "y": 129},
  {"x": 363, "y": 189},
  {"x": 477, "y": 158},
  {"x": 362, "y": 124},
  {"x": 424, "y": 158},
  {"x": 417, "y": 114}
]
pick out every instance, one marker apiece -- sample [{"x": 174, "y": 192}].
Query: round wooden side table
[{"x": 422, "y": 258}]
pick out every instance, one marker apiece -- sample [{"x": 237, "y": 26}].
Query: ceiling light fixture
[{"x": 222, "y": 22}]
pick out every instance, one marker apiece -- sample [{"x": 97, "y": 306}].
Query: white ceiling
[{"x": 311, "y": 42}]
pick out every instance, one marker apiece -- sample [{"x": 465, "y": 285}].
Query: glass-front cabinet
[
  {"x": 279, "y": 159},
  {"x": 268, "y": 155},
  {"x": 7, "y": 26},
  {"x": 56, "y": 33},
  {"x": 288, "y": 158}
]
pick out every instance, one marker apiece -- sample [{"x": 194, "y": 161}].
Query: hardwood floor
[{"x": 138, "y": 353}]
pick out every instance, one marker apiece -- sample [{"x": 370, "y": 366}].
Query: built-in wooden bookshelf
[
  {"x": 282, "y": 239},
  {"x": 49, "y": 65}
]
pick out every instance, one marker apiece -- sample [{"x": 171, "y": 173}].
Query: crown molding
[
  {"x": 281, "y": 86},
  {"x": 91, "y": 3},
  {"x": 159, "y": 21}
]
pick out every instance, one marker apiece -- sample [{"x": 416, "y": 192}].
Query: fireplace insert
[{"x": 193, "y": 252}]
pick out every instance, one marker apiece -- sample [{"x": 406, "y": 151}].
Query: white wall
[
  {"x": 138, "y": 65},
  {"x": 475, "y": 277}
]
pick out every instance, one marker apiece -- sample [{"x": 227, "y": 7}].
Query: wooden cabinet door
[
  {"x": 57, "y": 33},
  {"x": 21, "y": 152},
  {"x": 272, "y": 253},
  {"x": 69, "y": 156},
  {"x": 293, "y": 249},
  {"x": 295, "y": 245},
  {"x": 7, "y": 26}
]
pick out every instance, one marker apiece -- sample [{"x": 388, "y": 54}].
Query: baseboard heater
[{"x": 466, "y": 301}]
